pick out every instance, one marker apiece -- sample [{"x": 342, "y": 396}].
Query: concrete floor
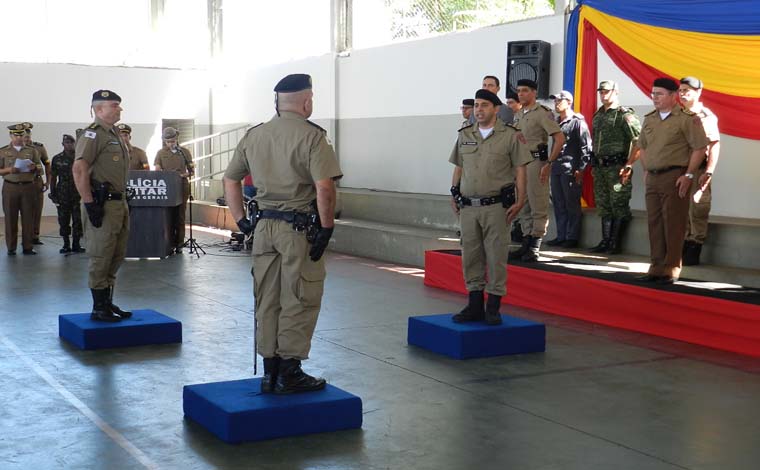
[{"x": 597, "y": 399}]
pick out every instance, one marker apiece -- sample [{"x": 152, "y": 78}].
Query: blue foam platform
[
  {"x": 236, "y": 411},
  {"x": 438, "y": 333},
  {"x": 145, "y": 327}
]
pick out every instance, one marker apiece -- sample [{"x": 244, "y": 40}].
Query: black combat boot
[
  {"x": 66, "y": 247},
  {"x": 691, "y": 253},
  {"x": 474, "y": 309},
  {"x": 518, "y": 253},
  {"x": 516, "y": 233},
  {"x": 292, "y": 379},
  {"x": 114, "y": 308},
  {"x": 76, "y": 247},
  {"x": 531, "y": 256},
  {"x": 493, "y": 317},
  {"x": 100, "y": 307},
  {"x": 271, "y": 368},
  {"x": 606, "y": 235},
  {"x": 616, "y": 236}
]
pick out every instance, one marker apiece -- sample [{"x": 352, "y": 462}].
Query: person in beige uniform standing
[
  {"x": 138, "y": 159},
  {"x": 700, "y": 199},
  {"x": 488, "y": 191},
  {"x": 41, "y": 181},
  {"x": 673, "y": 144},
  {"x": 19, "y": 190},
  {"x": 292, "y": 165},
  {"x": 536, "y": 122},
  {"x": 173, "y": 157},
  {"x": 100, "y": 175}
]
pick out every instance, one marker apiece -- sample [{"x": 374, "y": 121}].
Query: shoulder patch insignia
[
  {"x": 316, "y": 125},
  {"x": 697, "y": 120},
  {"x": 629, "y": 118},
  {"x": 90, "y": 134},
  {"x": 521, "y": 138}
]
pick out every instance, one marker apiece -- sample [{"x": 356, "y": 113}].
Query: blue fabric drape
[
  {"x": 706, "y": 16},
  {"x": 571, "y": 50}
]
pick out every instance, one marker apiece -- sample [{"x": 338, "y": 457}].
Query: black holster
[
  {"x": 508, "y": 196},
  {"x": 99, "y": 192},
  {"x": 313, "y": 223},
  {"x": 541, "y": 152},
  {"x": 253, "y": 213}
]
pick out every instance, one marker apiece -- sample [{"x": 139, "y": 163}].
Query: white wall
[{"x": 56, "y": 98}]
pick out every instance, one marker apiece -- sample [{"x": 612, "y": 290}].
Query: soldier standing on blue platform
[
  {"x": 567, "y": 172},
  {"x": 63, "y": 193},
  {"x": 488, "y": 191},
  {"x": 616, "y": 131},
  {"x": 292, "y": 165},
  {"x": 100, "y": 174}
]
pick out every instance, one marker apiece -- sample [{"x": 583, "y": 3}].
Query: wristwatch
[{"x": 689, "y": 175}]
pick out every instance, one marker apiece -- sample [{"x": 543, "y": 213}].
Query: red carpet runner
[{"x": 708, "y": 321}]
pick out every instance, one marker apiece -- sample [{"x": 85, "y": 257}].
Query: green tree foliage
[{"x": 419, "y": 18}]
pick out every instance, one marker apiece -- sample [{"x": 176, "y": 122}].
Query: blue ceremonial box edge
[
  {"x": 236, "y": 411},
  {"x": 439, "y": 334},
  {"x": 145, "y": 327}
]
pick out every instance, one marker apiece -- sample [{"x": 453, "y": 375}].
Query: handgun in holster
[
  {"x": 253, "y": 213},
  {"x": 508, "y": 197},
  {"x": 457, "y": 195},
  {"x": 313, "y": 223},
  {"x": 99, "y": 192},
  {"x": 541, "y": 152}
]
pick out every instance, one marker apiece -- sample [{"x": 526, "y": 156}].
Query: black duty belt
[
  {"x": 19, "y": 182},
  {"x": 114, "y": 197},
  {"x": 483, "y": 201},
  {"x": 611, "y": 160},
  {"x": 666, "y": 169},
  {"x": 287, "y": 216}
]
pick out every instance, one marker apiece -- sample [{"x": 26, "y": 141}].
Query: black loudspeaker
[{"x": 531, "y": 60}]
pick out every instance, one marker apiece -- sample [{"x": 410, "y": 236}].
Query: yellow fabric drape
[{"x": 725, "y": 63}]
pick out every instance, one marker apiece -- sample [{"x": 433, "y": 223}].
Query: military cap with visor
[
  {"x": 607, "y": 85},
  {"x": 124, "y": 128},
  {"x": 169, "y": 133},
  {"x": 293, "y": 83},
  {"x": 692, "y": 82},
  {"x": 468, "y": 102},
  {"x": 528, "y": 83},
  {"x": 68, "y": 139},
  {"x": 17, "y": 129}
]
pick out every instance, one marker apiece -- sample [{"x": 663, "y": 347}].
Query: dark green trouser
[{"x": 610, "y": 203}]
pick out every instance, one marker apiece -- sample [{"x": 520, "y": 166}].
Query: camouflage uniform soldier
[
  {"x": 616, "y": 131},
  {"x": 64, "y": 195},
  {"x": 41, "y": 184}
]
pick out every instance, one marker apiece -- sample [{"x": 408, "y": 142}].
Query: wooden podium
[{"x": 156, "y": 195}]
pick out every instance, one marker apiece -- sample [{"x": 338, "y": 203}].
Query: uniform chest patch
[
  {"x": 90, "y": 134},
  {"x": 116, "y": 158},
  {"x": 469, "y": 143}
]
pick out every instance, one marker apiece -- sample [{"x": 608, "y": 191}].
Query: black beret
[
  {"x": 124, "y": 128},
  {"x": 666, "y": 83},
  {"x": 693, "y": 82},
  {"x": 105, "y": 95},
  {"x": 488, "y": 96},
  {"x": 294, "y": 83},
  {"x": 527, "y": 83},
  {"x": 512, "y": 96},
  {"x": 468, "y": 102},
  {"x": 17, "y": 129},
  {"x": 68, "y": 138}
]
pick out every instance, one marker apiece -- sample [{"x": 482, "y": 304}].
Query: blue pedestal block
[
  {"x": 438, "y": 333},
  {"x": 236, "y": 411},
  {"x": 145, "y": 327}
]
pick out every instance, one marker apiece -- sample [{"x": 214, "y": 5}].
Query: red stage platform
[{"x": 706, "y": 320}]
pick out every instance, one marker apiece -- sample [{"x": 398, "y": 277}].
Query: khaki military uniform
[
  {"x": 699, "y": 211},
  {"x": 668, "y": 144},
  {"x": 179, "y": 162},
  {"x": 536, "y": 124},
  {"x": 138, "y": 159},
  {"x": 285, "y": 156},
  {"x": 19, "y": 196},
  {"x": 487, "y": 166},
  {"x": 39, "y": 184},
  {"x": 101, "y": 146}
]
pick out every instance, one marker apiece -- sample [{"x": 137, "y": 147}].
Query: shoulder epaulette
[
  {"x": 547, "y": 108},
  {"x": 317, "y": 126},
  {"x": 687, "y": 112},
  {"x": 651, "y": 112},
  {"x": 37, "y": 144},
  {"x": 94, "y": 125},
  {"x": 252, "y": 128},
  {"x": 464, "y": 127},
  {"x": 512, "y": 126},
  {"x": 626, "y": 110},
  {"x": 5, "y": 147}
]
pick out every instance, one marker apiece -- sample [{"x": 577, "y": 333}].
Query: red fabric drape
[{"x": 588, "y": 97}]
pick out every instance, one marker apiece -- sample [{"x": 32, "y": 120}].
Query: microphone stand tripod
[{"x": 191, "y": 244}]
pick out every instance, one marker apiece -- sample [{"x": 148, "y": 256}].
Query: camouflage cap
[{"x": 606, "y": 85}]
